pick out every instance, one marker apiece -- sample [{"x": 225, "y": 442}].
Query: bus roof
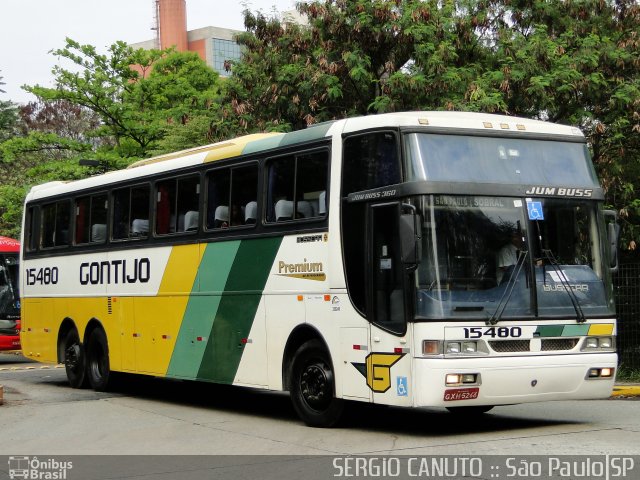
[
  {"x": 9, "y": 245},
  {"x": 264, "y": 142}
]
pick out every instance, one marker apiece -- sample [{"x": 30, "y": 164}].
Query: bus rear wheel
[
  {"x": 98, "y": 369},
  {"x": 74, "y": 359},
  {"x": 313, "y": 386}
]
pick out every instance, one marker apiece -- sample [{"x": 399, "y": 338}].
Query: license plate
[{"x": 461, "y": 394}]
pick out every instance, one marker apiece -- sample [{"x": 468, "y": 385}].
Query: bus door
[{"x": 389, "y": 307}]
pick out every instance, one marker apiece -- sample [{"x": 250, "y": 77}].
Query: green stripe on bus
[
  {"x": 237, "y": 309},
  {"x": 292, "y": 138},
  {"x": 561, "y": 330},
  {"x": 549, "y": 331},
  {"x": 202, "y": 307},
  {"x": 575, "y": 330}
]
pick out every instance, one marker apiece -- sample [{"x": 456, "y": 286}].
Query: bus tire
[
  {"x": 471, "y": 410},
  {"x": 74, "y": 358},
  {"x": 98, "y": 369},
  {"x": 313, "y": 386}
]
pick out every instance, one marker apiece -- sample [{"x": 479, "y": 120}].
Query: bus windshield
[
  {"x": 483, "y": 257},
  {"x": 515, "y": 161}
]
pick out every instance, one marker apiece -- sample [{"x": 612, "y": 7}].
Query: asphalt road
[{"x": 146, "y": 416}]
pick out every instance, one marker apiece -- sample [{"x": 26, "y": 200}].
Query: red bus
[{"x": 9, "y": 294}]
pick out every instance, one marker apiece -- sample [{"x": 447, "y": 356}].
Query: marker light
[
  {"x": 431, "y": 347},
  {"x": 459, "y": 379},
  {"x": 605, "y": 372},
  {"x": 452, "y": 379},
  {"x": 469, "y": 378}
]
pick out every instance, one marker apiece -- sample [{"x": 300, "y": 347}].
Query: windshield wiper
[
  {"x": 548, "y": 255},
  {"x": 511, "y": 283}
]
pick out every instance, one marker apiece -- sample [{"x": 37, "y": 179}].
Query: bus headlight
[
  {"x": 598, "y": 344},
  {"x": 453, "y": 347},
  {"x": 465, "y": 347},
  {"x": 469, "y": 347}
]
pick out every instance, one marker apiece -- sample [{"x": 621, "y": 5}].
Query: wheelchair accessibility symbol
[
  {"x": 535, "y": 210},
  {"x": 401, "y": 386}
]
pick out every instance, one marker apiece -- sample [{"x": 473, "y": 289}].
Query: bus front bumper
[{"x": 512, "y": 380}]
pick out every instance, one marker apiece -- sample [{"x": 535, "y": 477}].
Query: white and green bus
[{"x": 412, "y": 259}]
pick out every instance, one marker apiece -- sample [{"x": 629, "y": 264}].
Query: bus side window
[
  {"x": 311, "y": 184},
  {"x": 140, "y": 211},
  {"x": 370, "y": 161},
  {"x": 280, "y": 178},
  {"x": 188, "y": 204},
  {"x": 218, "y": 191},
  {"x": 244, "y": 189},
  {"x": 177, "y": 204},
  {"x": 56, "y": 220},
  {"x": 91, "y": 219},
  {"x": 232, "y": 195},
  {"x": 130, "y": 213},
  {"x": 297, "y": 186},
  {"x": 31, "y": 225}
]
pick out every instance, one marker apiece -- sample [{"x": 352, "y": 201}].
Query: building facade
[{"x": 214, "y": 45}]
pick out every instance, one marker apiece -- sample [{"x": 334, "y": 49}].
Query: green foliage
[
  {"x": 627, "y": 375},
  {"x": 38, "y": 142},
  {"x": 567, "y": 62},
  {"x": 115, "y": 108},
  {"x": 135, "y": 93},
  {"x": 11, "y": 199},
  {"x": 8, "y": 119}
]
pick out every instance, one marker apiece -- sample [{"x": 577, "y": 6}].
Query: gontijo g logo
[
  {"x": 33, "y": 468},
  {"x": 377, "y": 370}
]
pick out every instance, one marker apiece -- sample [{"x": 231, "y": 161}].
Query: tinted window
[
  {"x": 232, "y": 197},
  {"x": 297, "y": 186},
  {"x": 130, "y": 213},
  {"x": 91, "y": 219},
  {"x": 177, "y": 205},
  {"x": 370, "y": 161},
  {"x": 54, "y": 229}
]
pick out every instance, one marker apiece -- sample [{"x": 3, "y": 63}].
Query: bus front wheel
[
  {"x": 74, "y": 359},
  {"x": 98, "y": 369},
  {"x": 313, "y": 386}
]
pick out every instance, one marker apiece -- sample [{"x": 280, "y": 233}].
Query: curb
[{"x": 623, "y": 391}]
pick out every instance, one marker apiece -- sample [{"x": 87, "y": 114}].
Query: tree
[
  {"x": 134, "y": 104},
  {"x": 356, "y": 57},
  {"x": 8, "y": 116},
  {"x": 574, "y": 63},
  {"x": 568, "y": 62},
  {"x": 114, "y": 107}
]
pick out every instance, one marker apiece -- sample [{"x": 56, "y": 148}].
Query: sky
[{"x": 30, "y": 29}]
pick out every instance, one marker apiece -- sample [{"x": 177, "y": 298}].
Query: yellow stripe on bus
[
  {"x": 601, "y": 329},
  {"x": 234, "y": 148},
  {"x": 158, "y": 319}
]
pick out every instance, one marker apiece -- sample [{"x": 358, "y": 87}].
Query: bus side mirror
[
  {"x": 410, "y": 238},
  {"x": 613, "y": 235}
]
